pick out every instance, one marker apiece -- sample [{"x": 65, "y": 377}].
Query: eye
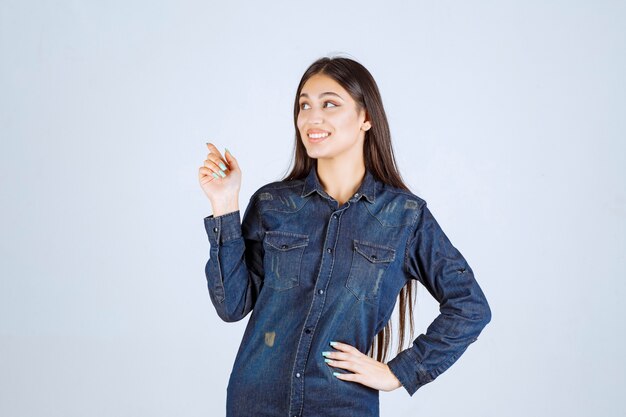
[{"x": 303, "y": 104}]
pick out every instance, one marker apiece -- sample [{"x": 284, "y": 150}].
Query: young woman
[{"x": 321, "y": 257}]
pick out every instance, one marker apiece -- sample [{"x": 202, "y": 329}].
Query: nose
[{"x": 315, "y": 116}]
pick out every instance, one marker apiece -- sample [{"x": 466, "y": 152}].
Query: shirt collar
[{"x": 367, "y": 187}]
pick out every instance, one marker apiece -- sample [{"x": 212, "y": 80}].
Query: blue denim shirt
[{"x": 313, "y": 271}]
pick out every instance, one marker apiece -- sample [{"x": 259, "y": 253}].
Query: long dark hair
[{"x": 378, "y": 157}]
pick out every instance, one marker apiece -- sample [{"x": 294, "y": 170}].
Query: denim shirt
[{"x": 313, "y": 271}]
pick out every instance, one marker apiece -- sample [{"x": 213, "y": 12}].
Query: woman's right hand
[{"x": 223, "y": 192}]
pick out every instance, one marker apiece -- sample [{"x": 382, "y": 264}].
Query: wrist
[
  {"x": 398, "y": 384},
  {"x": 224, "y": 207}
]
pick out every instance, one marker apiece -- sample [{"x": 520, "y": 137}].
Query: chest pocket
[
  {"x": 283, "y": 258},
  {"x": 369, "y": 263}
]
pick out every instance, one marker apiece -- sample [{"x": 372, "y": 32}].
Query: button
[
  {"x": 334, "y": 216},
  {"x": 329, "y": 250},
  {"x": 298, "y": 375},
  {"x": 321, "y": 291},
  {"x": 307, "y": 331},
  {"x": 215, "y": 229}
]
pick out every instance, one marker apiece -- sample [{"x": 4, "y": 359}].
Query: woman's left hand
[{"x": 366, "y": 371}]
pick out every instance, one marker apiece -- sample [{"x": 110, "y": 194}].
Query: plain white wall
[{"x": 507, "y": 117}]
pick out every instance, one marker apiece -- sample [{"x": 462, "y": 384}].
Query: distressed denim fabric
[{"x": 312, "y": 271}]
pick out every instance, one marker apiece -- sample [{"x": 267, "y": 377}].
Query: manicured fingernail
[
  {"x": 325, "y": 353},
  {"x": 215, "y": 175},
  {"x": 222, "y": 166},
  {"x": 327, "y": 360},
  {"x": 333, "y": 343},
  {"x": 228, "y": 151},
  {"x": 335, "y": 373},
  {"x": 222, "y": 173}
]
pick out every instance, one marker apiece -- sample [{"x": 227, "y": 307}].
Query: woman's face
[{"x": 326, "y": 107}]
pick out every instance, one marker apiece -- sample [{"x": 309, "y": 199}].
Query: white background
[{"x": 507, "y": 117}]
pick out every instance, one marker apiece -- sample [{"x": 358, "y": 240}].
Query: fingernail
[
  {"x": 222, "y": 166},
  {"x": 325, "y": 353},
  {"x": 327, "y": 360},
  {"x": 215, "y": 175},
  {"x": 228, "y": 151},
  {"x": 222, "y": 173},
  {"x": 335, "y": 373},
  {"x": 333, "y": 343}
]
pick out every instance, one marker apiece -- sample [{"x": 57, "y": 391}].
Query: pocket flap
[
  {"x": 285, "y": 240},
  {"x": 375, "y": 252}
]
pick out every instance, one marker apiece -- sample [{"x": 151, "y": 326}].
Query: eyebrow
[{"x": 326, "y": 93}]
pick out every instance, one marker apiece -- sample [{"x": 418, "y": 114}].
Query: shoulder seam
[{"x": 412, "y": 229}]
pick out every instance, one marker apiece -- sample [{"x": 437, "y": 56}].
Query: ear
[{"x": 366, "y": 125}]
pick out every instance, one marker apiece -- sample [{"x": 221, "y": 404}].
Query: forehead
[{"x": 321, "y": 83}]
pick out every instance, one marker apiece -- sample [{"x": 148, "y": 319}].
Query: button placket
[{"x": 311, "y": 321}]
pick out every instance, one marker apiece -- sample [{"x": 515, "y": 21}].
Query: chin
[{"x": 313, "y": 154}]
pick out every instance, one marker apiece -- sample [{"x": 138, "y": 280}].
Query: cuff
[
  {"x": 408, "y": 371},
  {"x": 223, "y": 228}
]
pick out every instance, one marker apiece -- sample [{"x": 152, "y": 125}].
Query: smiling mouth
[{"x": 317, "y": 137}]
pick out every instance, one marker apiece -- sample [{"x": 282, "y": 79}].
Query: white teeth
[{"x": 318, "y": 135}]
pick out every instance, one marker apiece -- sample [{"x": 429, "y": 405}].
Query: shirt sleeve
[
  {"x": 464, "y": 311},
  {"x": 234, "y": 270}
]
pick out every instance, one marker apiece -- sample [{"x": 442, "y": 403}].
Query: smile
[{"x": 318, "y": 137}]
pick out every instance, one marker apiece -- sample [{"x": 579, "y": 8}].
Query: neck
[{"x": 340, "y": 179}]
